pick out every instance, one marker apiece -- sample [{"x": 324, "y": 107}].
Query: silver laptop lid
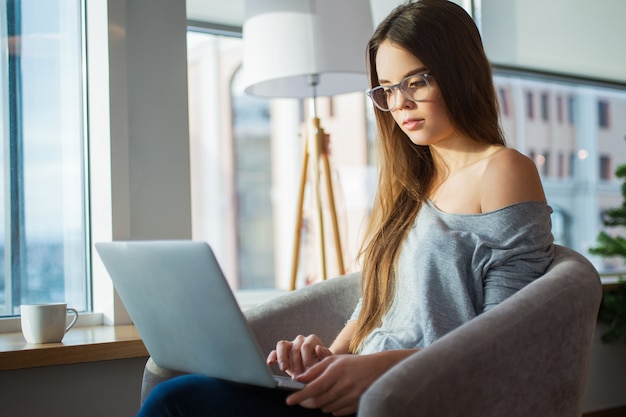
[{"x": 181, "y": 304}]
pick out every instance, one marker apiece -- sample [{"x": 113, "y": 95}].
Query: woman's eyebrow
[{"x": 412, "y": 72}]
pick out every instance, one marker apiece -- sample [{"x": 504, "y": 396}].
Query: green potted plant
[{"x": 613, "y": 307}]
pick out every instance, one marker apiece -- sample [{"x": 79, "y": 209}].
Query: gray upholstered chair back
[{"x": 528, "y": 356}]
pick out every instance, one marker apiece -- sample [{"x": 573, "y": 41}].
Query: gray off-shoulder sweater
[{"x": 453, "y": 267}]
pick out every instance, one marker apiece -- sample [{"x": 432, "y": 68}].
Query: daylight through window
[{"x": 43, "y": 239}]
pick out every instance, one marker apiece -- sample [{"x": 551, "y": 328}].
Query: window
[
  {"x": 561, "y": 226},
  {"x": 247, "y": 157},
  {"x": 43, "y": 234},
  {"x": 605, "y": 168},
  {"x": 591, "y": 147},
  {"x": 571, "y": 107},
  {"x": 504, "y": 104},
  {"x": 560, "y": 161},
  {"x": 572, "y": 164},
  {"x": 253, "y": 188},
  {"x": 545, "y": 163},
  {"x": 559, "y": 108},
  {"x": 530, "y": 109},
  {"x": 603, "y": 114},
  {"x": 545, "y": 115}
]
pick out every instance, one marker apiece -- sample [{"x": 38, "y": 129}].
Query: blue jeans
[{"x": 201, "y": 396}]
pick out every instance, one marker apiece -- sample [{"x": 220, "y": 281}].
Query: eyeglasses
[{"x": 414, "y": 87}]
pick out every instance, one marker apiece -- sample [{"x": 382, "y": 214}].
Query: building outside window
[{"x": 595, "y": 148}]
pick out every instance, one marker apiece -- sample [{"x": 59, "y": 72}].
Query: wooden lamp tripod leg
[
  {"x": 331, "y": 202},
  {"x": 297, "y": 234},
  {"x": 318, "y": 135},
  {"x": 319, "y": 151}
]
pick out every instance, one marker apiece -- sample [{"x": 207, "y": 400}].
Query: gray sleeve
[
  {"x": 525, "y": 258},
  {"x": 502, "y": 282}
]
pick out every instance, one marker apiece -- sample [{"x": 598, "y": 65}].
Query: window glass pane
[
  {"x": 43, "y": 236},
  {"x": 246, "y": 157},
  {"x": 576, "y": 159},
  {"x": 253, "y": 188}
]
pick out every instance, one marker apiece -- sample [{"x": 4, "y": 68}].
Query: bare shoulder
[
  {"x": 509, "y": 178},
  {"x": 508, "y": 160}
]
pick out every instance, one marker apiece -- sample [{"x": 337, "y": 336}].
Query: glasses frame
[{"x": 395, "y": 87}]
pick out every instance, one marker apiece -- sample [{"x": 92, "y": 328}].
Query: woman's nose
[{"x": 401, "y": 101}]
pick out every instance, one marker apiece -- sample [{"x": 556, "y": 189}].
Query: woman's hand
[
  {"x": 336, "y": 383},
  {"x": 297, "y": 356}
]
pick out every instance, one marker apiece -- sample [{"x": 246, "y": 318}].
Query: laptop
[{"x": 186, "y": 314}]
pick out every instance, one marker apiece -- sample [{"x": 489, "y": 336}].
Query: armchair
[{"x": 527, "y": 356}]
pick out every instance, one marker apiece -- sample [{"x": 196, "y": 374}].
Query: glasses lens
[
  {"x": 380, "y": 96},
  {"x": 415, "y": 87}
]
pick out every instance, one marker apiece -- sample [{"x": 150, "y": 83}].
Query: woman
[{"x": 459, "y": 224}]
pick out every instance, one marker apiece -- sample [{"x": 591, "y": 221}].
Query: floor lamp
[{"x": 307, "y": 49}]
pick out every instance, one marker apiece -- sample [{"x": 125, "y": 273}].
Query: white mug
[{"x": 46, "y": 323}]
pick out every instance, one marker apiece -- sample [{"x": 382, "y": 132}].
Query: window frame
[{"x": 126, "y": 178}]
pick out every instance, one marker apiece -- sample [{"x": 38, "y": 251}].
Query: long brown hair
[{"x": 446, "y": 40}]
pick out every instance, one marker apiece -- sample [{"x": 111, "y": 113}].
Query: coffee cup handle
[{"x": 75, "y": 312}]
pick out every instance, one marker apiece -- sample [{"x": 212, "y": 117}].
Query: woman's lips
[{"x": 412, "y": 124}]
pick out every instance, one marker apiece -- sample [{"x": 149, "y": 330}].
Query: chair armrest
[
  {"x": 527, "y": 356},
  {"x": 320, "y": 309}
]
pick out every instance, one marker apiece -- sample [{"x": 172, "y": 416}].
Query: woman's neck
[{"x": 452, "y": 159}]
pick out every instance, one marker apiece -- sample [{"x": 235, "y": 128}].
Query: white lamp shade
[{"x": 288, "y": 41}]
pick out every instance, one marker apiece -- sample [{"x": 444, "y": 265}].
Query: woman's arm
[
  {"x": 342, "y": 341},
  {"x": 512, "y": 178}
]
